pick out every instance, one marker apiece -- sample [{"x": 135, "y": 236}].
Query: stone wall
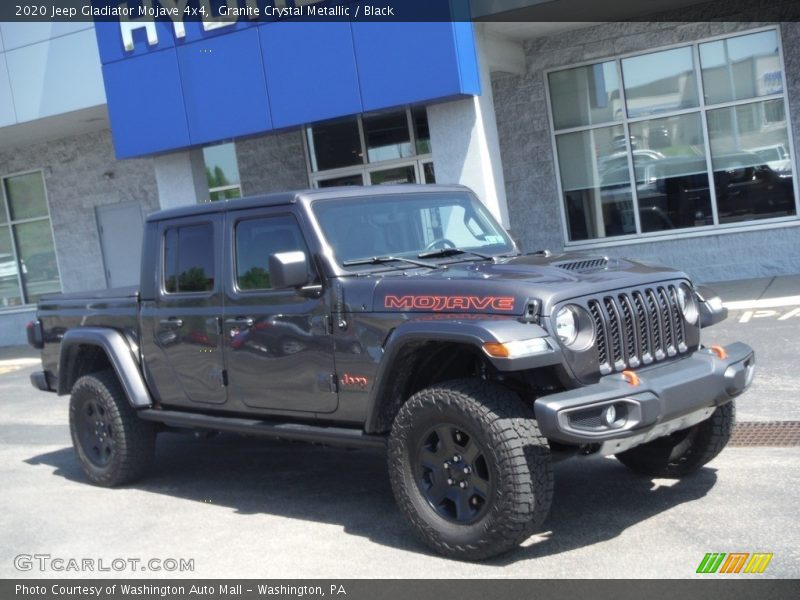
[
  {"x": 528, "y": 160},
  {"x": 81, "y": 173},
  {"x": 272, "y": 163}
]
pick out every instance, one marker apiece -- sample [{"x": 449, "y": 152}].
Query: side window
[
  {"x": 256, "y": 239},
  {"x": 189, "y": 259}
]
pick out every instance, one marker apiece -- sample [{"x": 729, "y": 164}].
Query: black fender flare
[
  {"x": 120, "y": 355},
  {"x": 474, "y": 333}
]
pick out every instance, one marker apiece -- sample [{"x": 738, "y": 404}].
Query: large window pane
[
  {"x": 597, "y": 190},
  {"x": 38, "y": 258},
  {"x": 585, "y": 95},
  {"x": 752, "y": 166},
  {"x": 671, "y": 173},
  {"x": 747, "y": 66},
  {"x": 660, "y": 82},
  {"x": 387, "y": 136},
  {"x": 334, "y": 144},
  {"x": 222, "y": 168},
  {"x": 26, "y": 197},
  {"x": 419, "y": 115},
  {"x": 10, "y": 294}
]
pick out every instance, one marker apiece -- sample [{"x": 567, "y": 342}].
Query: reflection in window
[
  {"x": 752, "y": 166},
  {"x": 585, "y": 95},
  {"x": 27, "y": 251},
  {"x": 746, "y": 66},
  {"x": 334, "y": 144},
  {"x": 189, "y": 259},
  {"x": 429, "y": 175},
  {"x": 671, "y": 173},
  {"x": 596, "y": 183},
  {"x": 356, "y": 179},
  {"x": 660, "y": 82},
  {"x": 26, "y": 197},
  {"x": 404, "y": 174},
  {"x": 387, "y": 136},
  {"x": 748, "y": 175},
  {"x": 10, "y": 294},
  {"x": 359, "y": 228},
  {"x": 222, "y": 172},
  {"x": 419, "y": 116},
  {"x": 256, "y": 240}
]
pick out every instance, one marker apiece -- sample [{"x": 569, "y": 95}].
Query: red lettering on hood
[{"x": 439, "y": 303}]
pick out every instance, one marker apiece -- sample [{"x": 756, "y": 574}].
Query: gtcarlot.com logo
[
  {"x": 734, "y": 562},
  {"x": 47, "y": 562}
]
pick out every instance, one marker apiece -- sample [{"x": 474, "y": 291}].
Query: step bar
[{"x": 329, "y": 436}]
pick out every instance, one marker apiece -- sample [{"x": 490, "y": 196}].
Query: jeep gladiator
[{"x": 398, "y": 317}]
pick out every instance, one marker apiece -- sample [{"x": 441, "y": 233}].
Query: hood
[{"x": 507, "y": 286}]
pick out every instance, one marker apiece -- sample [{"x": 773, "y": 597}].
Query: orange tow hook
[
  {"x": 720, "y": 352},
  {"x": 631, "y": 377}
]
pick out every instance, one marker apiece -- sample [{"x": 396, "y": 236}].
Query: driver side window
[{"x": 256, "y": 239}]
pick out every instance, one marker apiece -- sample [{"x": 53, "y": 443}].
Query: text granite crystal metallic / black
[{"x": 397, "y": 317}]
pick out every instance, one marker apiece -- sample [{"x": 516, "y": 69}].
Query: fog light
[
  {"x": 610, "y": 416},
  {"x": 749, "y": 371}
]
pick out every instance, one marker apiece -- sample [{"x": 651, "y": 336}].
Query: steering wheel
[{"x": 440, "y": 243}]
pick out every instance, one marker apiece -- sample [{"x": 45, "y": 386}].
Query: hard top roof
[{"x": 291, "y": 197}]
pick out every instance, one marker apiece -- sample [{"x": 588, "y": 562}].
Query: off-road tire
[
  {"x": 514, "y": 451},
  {"x": 685, "y": 451},
  {"x": 127, "y": 447}
]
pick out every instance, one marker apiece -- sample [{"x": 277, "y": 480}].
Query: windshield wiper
[
  {"x": 377, "y": 260},
  {"x": 443, "y": 252}
]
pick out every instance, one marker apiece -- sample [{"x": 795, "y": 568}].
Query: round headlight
[
  {"x": 567, "y": 325},
  {"x": 687, "y": 303}
]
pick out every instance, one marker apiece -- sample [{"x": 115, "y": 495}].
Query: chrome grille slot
[
  {"x": 637, "y": 327},
  {"x": 615, "y": 333},
  {"x": 601, "y": 342},
  {"x": 666, "y": 317}
]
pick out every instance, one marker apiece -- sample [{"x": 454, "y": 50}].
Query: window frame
[
  {"x": 365, "y": 168},
  {"x": 10, "y": 223},
  {"x": 703, "y": 108}
]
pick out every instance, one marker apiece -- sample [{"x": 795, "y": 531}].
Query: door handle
[
  {"x": 172, "y": 322},
  {"x": 240, "y": 321}
]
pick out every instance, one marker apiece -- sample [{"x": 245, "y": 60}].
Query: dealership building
[{"x": 670, "y": 140}]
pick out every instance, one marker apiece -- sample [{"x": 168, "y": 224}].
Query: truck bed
[{"x": 117, "y": 308}]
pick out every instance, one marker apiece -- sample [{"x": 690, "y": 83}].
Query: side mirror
[{"x": 288, "y": 269}]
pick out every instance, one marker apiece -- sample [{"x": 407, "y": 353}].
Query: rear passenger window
[
  {"x": 189, "y": 259},
  {"x": 256, "y": 239}
]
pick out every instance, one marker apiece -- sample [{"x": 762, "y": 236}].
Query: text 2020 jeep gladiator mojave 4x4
[{"x": 398, "y": 316}]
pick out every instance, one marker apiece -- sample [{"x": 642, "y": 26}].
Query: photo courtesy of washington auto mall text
[
  {"x": 176, "y": 590},
  {"x": 399, "y": 299}
]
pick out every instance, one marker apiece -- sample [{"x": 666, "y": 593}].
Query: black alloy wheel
[
  {"x": 95, "y": 434},
  {"x": 453, "y": 474}
]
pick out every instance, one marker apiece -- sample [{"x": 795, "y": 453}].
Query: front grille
[{"x": 637, "y": 327}]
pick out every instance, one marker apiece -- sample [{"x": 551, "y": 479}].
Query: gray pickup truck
[{"x": 402, "y": 317}]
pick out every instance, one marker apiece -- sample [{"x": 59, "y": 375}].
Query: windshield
[{"x": 408, "y": 225}]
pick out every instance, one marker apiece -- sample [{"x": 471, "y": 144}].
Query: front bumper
[{"x": 616, "y": 416}]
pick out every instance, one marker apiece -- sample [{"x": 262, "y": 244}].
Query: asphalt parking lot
[{"x": 246, "y": 508}]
